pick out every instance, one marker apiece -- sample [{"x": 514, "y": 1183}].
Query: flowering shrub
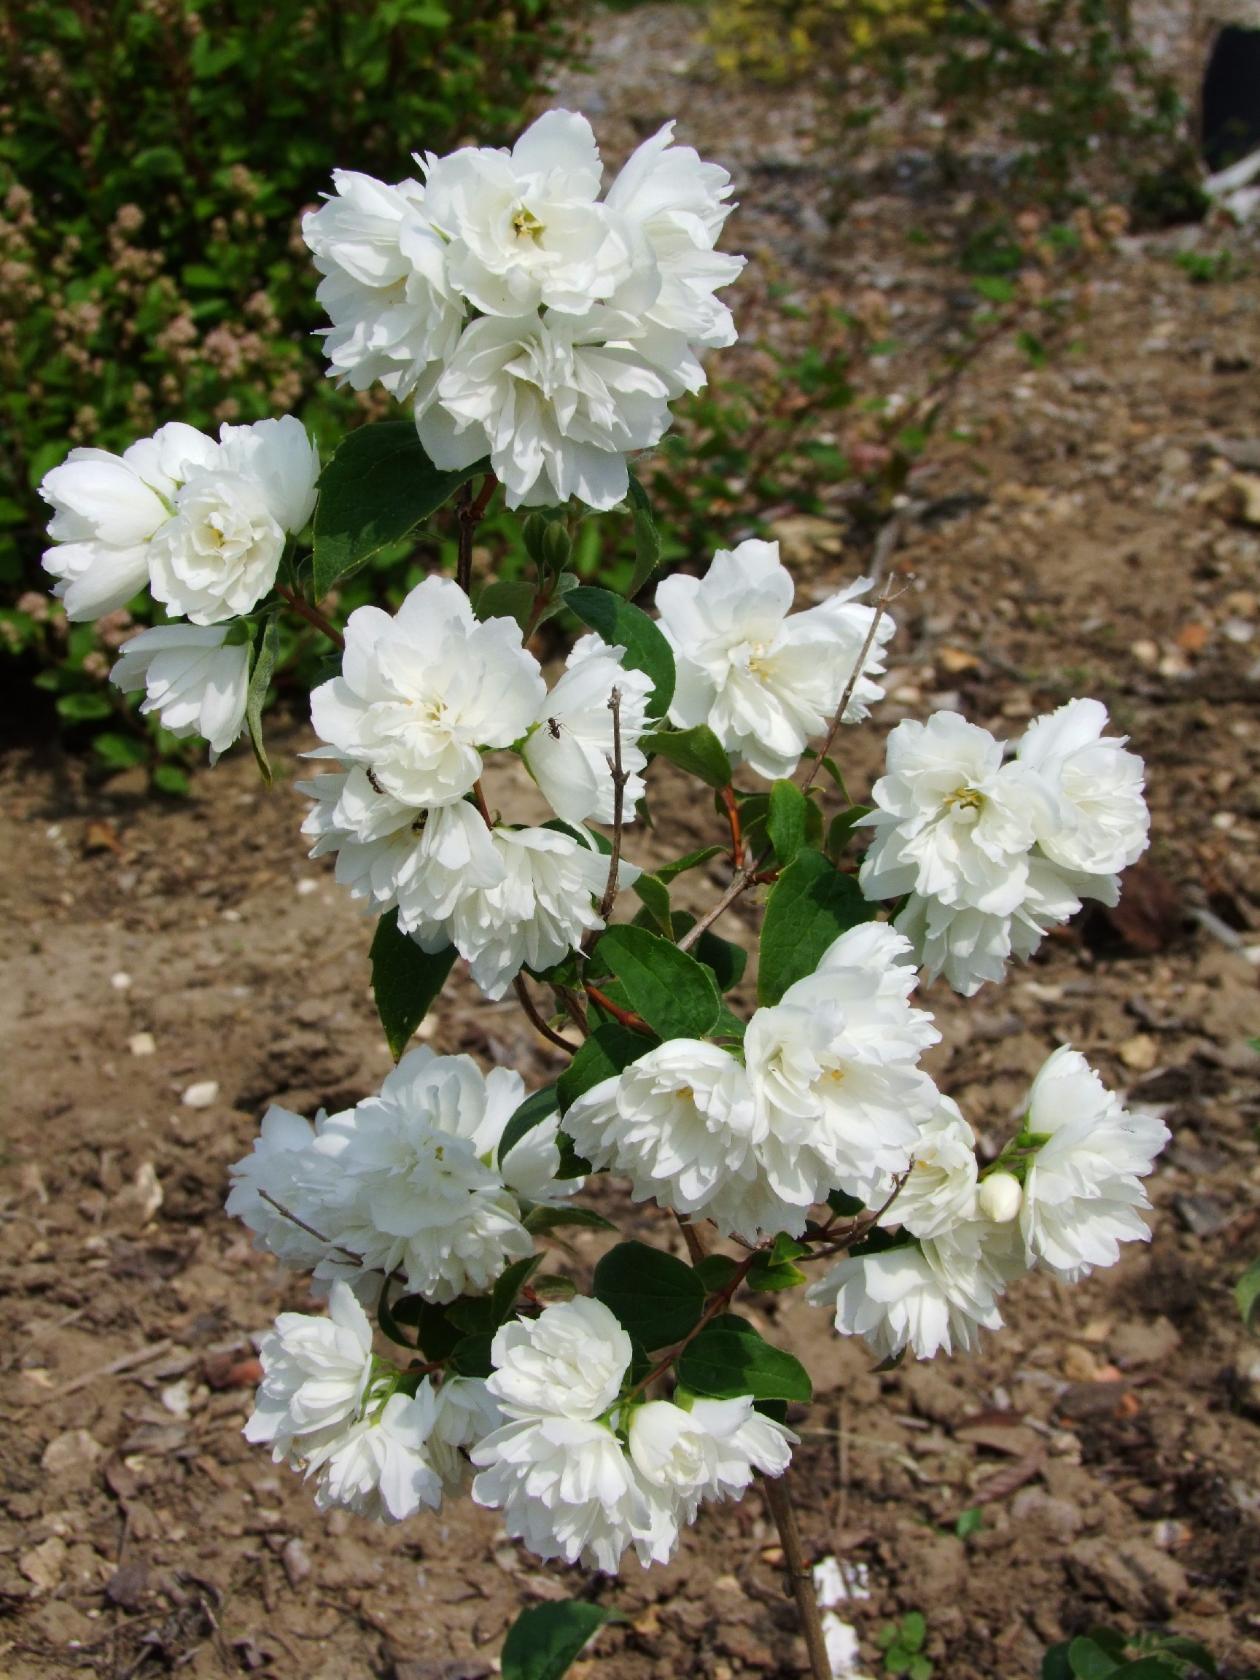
[{"x": 538, "y": 332}]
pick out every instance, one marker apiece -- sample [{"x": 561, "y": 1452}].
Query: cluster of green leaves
[
  {"x": 1107, "y": 1654},
  {"x": 902, "y": 1643},
  {"x": 154, "y": 161}
]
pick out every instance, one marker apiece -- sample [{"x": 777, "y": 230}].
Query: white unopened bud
[{"x": 999, "y": 1197}]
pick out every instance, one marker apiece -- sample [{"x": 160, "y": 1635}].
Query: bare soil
[{"x": 1085, "y": 542}]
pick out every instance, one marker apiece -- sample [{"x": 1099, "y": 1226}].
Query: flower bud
[{"x": 999, "y": 1197}]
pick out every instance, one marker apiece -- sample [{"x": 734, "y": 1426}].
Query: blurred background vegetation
[{"x": 156, "y": 155}]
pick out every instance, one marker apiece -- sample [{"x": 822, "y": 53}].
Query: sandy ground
[{"x": 1110, "y": 1437}]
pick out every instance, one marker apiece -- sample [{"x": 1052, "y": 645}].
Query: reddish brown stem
[
  {"x": 311, "y": 614},
  {"x": 737, "y": 833},
  {"x": 535, "y": 1015},
  {"x": 627, "y": 1017}
]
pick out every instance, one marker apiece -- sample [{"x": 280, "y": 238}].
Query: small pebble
[
  {"x": 121, "y": 982},
  {"x": 201, "y": 1095},
  {"x": 142, "y": 1044},
  {"x": 307, "y": 885},
  {"x": 177, "y": 1399}
]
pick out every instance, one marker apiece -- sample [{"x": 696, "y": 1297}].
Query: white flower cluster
[
  {"x": 989, "y": 852},
  {"x": 1064, "y": 1196},
  {"x": 407, "y": 1182},
  {"x": 527, "y": 319},
  {"x": 581, "y": 1477},
  {"x": 764, "y": 682},
  {"x": 376, "y": 1442},
  {"x": 421, "y": 697},
  {"x": 829, "y": 1097},
  {"x": 203, "y": 525}
]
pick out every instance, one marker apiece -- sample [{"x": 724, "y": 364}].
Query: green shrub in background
[{"x": 154, "y": 158}]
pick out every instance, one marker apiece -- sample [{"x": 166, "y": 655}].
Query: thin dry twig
[
  {"x": 620, "y": 776},
  {"x": 126, "y": 1362},
  {"x": 881, "y": 607}
]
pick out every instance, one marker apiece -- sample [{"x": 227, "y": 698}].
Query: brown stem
[
  {"x": 800, "y": 1576},
  {"x": 576, "y": 1008},
  {"x": 737, "y": 833},
  {"x": 692, "y": 1238},
  {"x": 860, "y": 1228},
  {"x": 738, "y": 884},
  {"x": 468, "y": 516},
  {"x": 627, "y": 1017},
  {"x": 311, "y": 614},
  {"x": 480, "y": 797},
  {"x": 531, "y": 1009},
  {"x": 620, "y": 777}
]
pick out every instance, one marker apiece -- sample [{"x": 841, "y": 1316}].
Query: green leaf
[
  {"x": 656, "y": 1298},
  {"x": 1089, "y": 1661},
  {"x": 544, "y": 1640},
  {"x": 390, "y": 1326},
  {"x": 546, "y": 1218},
  {"x": 775, "y": 1270},
  {"x": 610, "y": 1048},
  {"x": 438, "y": 1337},
  {"x": 265, "y": 650},
  {"x": 509, "y": 1285},
  {"x": 771, "y": 1276},
  {"x": 697, "y": 751},
  {"x": 840, "y": 831},
  {"x": 470, "y": 1356},
  {"x": 728, "y": 1358},
  {"x": 405, "y": 980},
  {"x": 378, "y": 485},
  {"x": 676, "y": 995},
  {"x": 83, "y": 708},
  {"x": 1148, "y": 1668},
  {"x": 1247, "y": 1292},
  {"x": 120, "y": 752},
  {"x": 506, "y": 600},
  {"x": 655, "y": 895},
  {"x": 1188, "y": 1650},
  {"x": 969, "y": 1522},
  {"x": 668, "y": 871},
  {"x": 913, "y": 1630},
  {"x": 622, "y": 625},
  {"x": 787, "y": 820},
  {"x": 728, "y": 961},
  {"x": 715, "y": 1271},
  {"x": 809, "y": 907},
  {"x": 1055, "y": 1664},
  {"x": 169, "y": 778},
  {"x": 532, "y": 1112},
  {"x": 920, "y": 1669},
  {"x": 647, "y": 543}
]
